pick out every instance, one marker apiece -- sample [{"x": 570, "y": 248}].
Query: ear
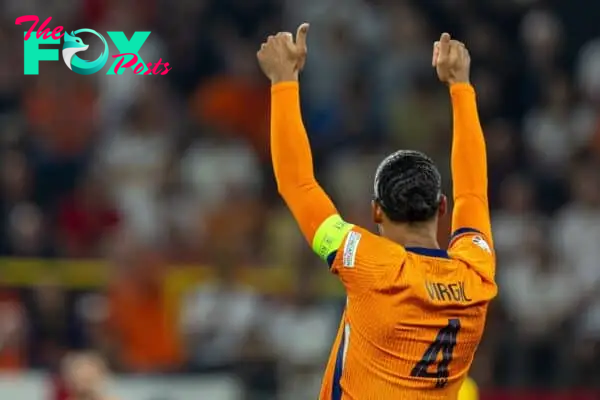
[
  {"x": 443, "y": 208},
  {"x": 376, "y": 212}
]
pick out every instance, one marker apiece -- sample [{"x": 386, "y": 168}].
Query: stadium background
[{"x": 138, "y": 215}]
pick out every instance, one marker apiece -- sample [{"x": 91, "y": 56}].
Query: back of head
[{"x": 408, "y": 187}]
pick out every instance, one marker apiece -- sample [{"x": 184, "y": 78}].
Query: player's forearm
[
  {"x": 469, "y": 163},
  {"x": 292, "y": 161},
  {"x": 290, "y": 148}
]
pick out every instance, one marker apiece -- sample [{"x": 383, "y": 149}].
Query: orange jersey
[{"x": 414, "y": 316}]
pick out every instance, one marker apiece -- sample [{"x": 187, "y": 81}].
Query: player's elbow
[
  {"x": 295, "y": 187},
  {"x": 291, "y": 191},
  {"x": 284, "y": 189},
  {"x": 306, "y": 194}
]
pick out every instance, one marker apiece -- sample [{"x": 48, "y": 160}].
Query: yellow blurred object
[
  {"x": 92, "y": 274},
  {"x": 468, "y": 390}
]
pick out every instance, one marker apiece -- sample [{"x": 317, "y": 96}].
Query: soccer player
[{"x": 415, "y": 313}]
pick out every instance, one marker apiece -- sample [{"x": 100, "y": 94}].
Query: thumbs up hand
[
  {"x": 451, "y": 60},
  {"x": 281, "y": 58}
]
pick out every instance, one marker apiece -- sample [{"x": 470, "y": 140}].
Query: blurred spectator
[
  {"x": 409, "y": 129},
  {"x": 26, "y": 231},
  {"x": 93, "y": 312},
  {"x": 225, "y": 183},
  {"x": 300, "y": 331},
  {"x": 503, "y": 156},
  {"x": 217, "y": 319},
  {"x": 53, "y": 329},
  {"x": 117, "y": 93},
  {"x": 60, "y": 110},
  {"x": 236, "y": 102},
  {"x": 13, "y": 330},
  {"x": 534, "y": 280},
  {"x": 577, "y": 239},
  {"x": 283, "y": 232},
  {"x": 558, "y": 128},
  {"x": 21, "y": 222},
  {"x": 587, "y": 75},
  {"x": 133, "y": 161},
  {"x": 141, "y": 333},
  {"x": 512, "y": 224},
  {"x": 401, "y": 88},
  {"x": 86, "y": 220}
]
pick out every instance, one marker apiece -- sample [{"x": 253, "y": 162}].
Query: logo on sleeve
[
  {"x": 478, "y": 240},
  {"x": 350, "y": 248}
]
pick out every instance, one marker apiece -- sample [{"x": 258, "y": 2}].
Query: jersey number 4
[{"x": 444, "y": 343}]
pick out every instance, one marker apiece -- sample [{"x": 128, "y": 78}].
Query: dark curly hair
[{"x": 408, "y": 187}]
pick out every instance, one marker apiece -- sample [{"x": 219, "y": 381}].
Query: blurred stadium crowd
[{"x": 153, "y": 176}]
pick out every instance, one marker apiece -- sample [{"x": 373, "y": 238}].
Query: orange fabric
[
  {"x": 469, "y": 164},
  {"x": 140, "y": 323},
  {"x": 391, "y": 319},
  {"x": 292, "y": 161},
  {"x": 235, "y": 105}
]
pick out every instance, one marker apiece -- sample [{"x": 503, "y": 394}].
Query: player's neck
[{"x": 412, "y": 235}]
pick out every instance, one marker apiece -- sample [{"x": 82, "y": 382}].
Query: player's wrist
[
  {"x": 459, "y": 87},
  {"x": 285, "y": 77},
  {"x": 453, "y": 82}
]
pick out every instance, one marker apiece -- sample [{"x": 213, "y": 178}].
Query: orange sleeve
[
  {"x": 292, "y": 162},
  {"x": 469, "y": 167}
]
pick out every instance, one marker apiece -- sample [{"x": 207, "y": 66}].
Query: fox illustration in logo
[{"x": 73, "y": 44}]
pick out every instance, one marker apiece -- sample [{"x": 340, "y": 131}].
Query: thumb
[
  {"x": 301, "y": 38},
  {"x": 444, "y": 48}
]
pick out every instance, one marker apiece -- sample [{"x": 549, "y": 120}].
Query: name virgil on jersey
[{"x": 438, "y": 291}]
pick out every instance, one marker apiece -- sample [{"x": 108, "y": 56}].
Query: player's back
[
  {"x": 413, "y": 320},
  {"x": 409, "y": 331}
]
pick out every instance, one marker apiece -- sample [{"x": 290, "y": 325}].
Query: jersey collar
[{"x": 424, "y": 251}]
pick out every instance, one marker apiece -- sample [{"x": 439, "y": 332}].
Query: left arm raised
[{"x": 293, "y": 167}]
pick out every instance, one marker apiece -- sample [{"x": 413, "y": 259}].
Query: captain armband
[{"x": 330, "y": 235}]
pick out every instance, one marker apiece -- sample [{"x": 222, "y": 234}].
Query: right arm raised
[
  {"x": 469, "y": 166},
  {"x": 469, "y": 163}
]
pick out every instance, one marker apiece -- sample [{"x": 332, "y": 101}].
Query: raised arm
[
  {"x": 292, "y": 161},
  {"x": 468, "y": 162},
  {"x": 281, "y": 59}
]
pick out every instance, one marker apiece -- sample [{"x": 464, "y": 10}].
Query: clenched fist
[
  {"x": 281, "y": 58},
  {"x": 451, "y": 60}
]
